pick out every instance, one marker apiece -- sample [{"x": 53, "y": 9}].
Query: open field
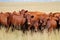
[
  {"x": 18, "y": 35},
  {"x": 31, "y": 6}
]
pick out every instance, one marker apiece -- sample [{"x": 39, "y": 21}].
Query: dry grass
[
  {"x": 31, "y": 6},
  {"x": 18, "y": 35}
]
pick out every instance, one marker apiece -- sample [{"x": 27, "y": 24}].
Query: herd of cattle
[{"x": 28, "y": 20}]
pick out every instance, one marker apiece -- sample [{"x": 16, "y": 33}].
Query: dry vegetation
[{"x": 18, "y": 35}]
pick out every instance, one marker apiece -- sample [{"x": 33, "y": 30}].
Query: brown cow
[
  {"x": 48, "y": 21},
  {"x": 17, "y": 20},
  {"x": 4, "y": 19},
  {"x": 57, "y": 15},
  {"x": 33, "y": 19},
  {"x": 43, "y": 19},
  {"x": 51, "y": 24}
]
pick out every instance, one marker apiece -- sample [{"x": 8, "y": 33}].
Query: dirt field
[{"x": 18, "y": 35}]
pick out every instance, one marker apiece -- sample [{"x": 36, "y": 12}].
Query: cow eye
[{"x": 32, "y": 16}]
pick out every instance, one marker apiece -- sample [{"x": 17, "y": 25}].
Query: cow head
[
  {"x": 29, "y": 18},
  {"x": 23, "y": 11}
]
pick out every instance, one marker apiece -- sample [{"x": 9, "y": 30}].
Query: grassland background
[{"x": 31, "y": 6}]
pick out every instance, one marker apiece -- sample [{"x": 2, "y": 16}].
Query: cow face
[{"x": 29, "y": 18}]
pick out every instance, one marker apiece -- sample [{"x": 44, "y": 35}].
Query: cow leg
[
  {"x": 54, "y": 29},
  {"x": 39, "y": 27},
  {"x": 29, "y": 28},
  {"x": 50, "y": 29},
  {"x": 58, "y": 27},
  {"x": 42, "y": 28},
  {"x": 36, "y": 28},
  {"x": 17, "y": 27},
  {"x": 0, "y": 26},
  {"x": 7, "y": 28},
  {"x": 24, "y": 29},
  {"x": 13, "y": 28}
]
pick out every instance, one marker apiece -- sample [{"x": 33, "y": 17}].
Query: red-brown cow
[
  {"x": 57, "y": 15},
  {"x": 4, "y": 19},
  {"x": 33, "y": 19},
  {"x": 51, "y": 24},
  {"x": 18, "y": 20},
  {"x": 42, "y": 21}
]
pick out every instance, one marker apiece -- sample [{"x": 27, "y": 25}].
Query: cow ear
[
  {"x": 14, "y": 11},
  {"x": 20, "y": 12},
  {"x": 50, "y": 14},
  {"x": 26, "y": 11}
]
